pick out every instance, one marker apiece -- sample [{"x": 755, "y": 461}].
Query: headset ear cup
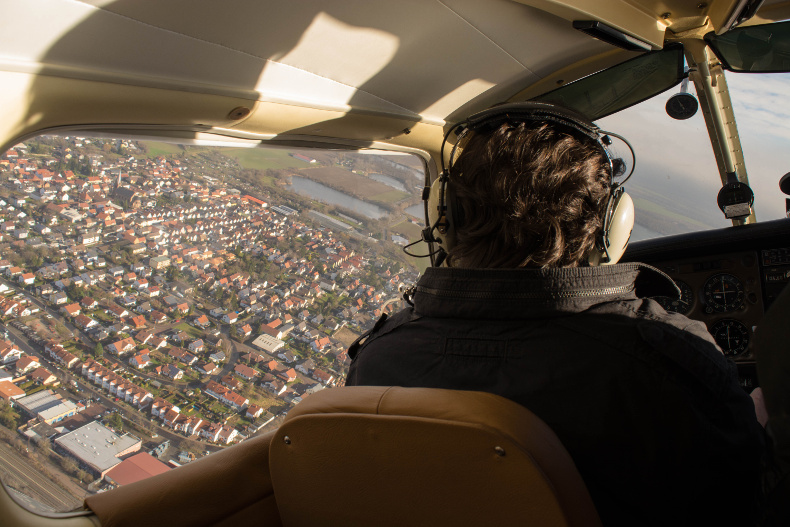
[
  {"x": 433, "y": 202},
  {"x": 621, "y": 223}
]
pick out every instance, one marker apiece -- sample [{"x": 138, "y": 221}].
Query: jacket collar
[{"x": 516, "y": 293}]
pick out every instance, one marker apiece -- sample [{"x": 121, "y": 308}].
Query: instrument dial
[
  {"x": 723, "y": 293},
  {"x": 731, "y": 336},
  {"x": 680, "y": 305}
]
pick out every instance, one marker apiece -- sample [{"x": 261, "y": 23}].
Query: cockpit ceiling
[
  {"x": 408, "y": 61},
  {"x": 410, "y": 57}
]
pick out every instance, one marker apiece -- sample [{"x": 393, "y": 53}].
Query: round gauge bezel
[
  {"x": 683, "y": 305},
  {"x": 723, "y": 306},
  {"x": 733, "y": 326},
  {"x": 682, "y": 106}
]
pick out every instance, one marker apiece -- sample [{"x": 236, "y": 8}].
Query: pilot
[{"x": 527, "y": 303}]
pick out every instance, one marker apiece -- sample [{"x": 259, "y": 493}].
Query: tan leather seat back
[{"x": 417, "y": 456}]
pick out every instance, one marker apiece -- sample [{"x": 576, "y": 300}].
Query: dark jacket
[{"x": 644, "y": 401}]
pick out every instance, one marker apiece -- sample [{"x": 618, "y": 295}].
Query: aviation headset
[{"x": 440, "y": 201}]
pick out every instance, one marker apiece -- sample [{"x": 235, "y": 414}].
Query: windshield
[{"x": 676, "y": 179}]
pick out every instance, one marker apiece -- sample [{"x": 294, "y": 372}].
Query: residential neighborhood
[{"x": 152, "y": 288}]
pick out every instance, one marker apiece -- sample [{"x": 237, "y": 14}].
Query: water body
[
  {"x": 390, "y": 181},
  {"x": 317, "y": 191},
  {"x": 418, "y": 211}
]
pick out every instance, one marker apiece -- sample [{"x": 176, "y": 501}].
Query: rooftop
[
  {"x": 98, "y": 446},
  {"x": 136, "y": 468}
]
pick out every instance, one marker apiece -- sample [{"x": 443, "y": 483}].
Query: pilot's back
[{"x": 646, "y": 404}]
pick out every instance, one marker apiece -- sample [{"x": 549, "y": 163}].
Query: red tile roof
[{"x": 136, "y": 468}]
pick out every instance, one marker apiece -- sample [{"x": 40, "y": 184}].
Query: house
[
  {"x": 234, "y": 400},
  {"x": 140, "y": 361},
  {"x": 143, "y": 336},
  {"x": 182, "y": 355},
  {"x": 84, "y": 322},
  {"x": 230, "y": 318},
  {"x": 172, "y": 372},
  {"x": 196, "y": 346},
  {"x": 253, "y": 411},
  {"x": 157, "y": 317},
  {"x": 215, "y": 389},
  {"x": 157, "y": 342},
  {"x": 287, "y": 356},
  {"x": 43, "y": 376},
  {"x": 227, "y": 434},
  {"x": 27, "y": 278},
  {"x": 244, "y": 331},
  {"x": 245, "y": 372},
  {"x": 288, "y": 375},
  {"x": 277, "y": 387},
  {"x": 122, "y": 346},
  {"x": 71, "y": 310},
  {"x": 217, "y": 356},
  {"x": 9, "y": 352},
  {"x": 323, "y": 377},
  {"x": 180, "y": 336},
  {"x": 88, "y": 303},
  {"x": 320, "y": 345},
  {"x": 306, "y": 366},
  {"x": 117, "y": 311},
  {"x": 208, "y": 368},
  {"x": 26, "y": 363},
  {"x": 58, "y": 298},
  {"x": 201, "y": 322},
  {"x": 273, "y": 366}
]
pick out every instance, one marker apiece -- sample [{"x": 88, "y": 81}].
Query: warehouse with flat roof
[
  {"x": 47, "y": 406},
  {"x": 97, "y": 447}
]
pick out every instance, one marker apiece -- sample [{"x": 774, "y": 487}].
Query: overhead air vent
[{"x": 610, "y": 35}]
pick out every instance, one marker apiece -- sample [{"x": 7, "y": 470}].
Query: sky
[{"x": 676, "y": 158}]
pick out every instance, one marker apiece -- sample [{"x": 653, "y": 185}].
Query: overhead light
[{"x": 611, "y": 35}]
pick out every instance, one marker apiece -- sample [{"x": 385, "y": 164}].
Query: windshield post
[{"x": 714, "y": 97}]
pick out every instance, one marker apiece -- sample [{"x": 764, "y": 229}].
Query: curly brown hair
[{"x": 528, "y": 195}]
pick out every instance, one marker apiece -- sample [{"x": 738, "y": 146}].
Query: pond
[{"x": 317, "y": 191}]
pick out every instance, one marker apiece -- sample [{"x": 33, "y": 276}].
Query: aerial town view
[{"x": 159, "y": 302}]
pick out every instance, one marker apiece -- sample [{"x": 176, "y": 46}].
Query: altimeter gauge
[
  {"x": 723, "y": 293},
  {"x": 731, "y": 336},
  {"x": 680, "y": 305}
]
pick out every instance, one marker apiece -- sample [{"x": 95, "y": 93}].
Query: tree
[
  {"x": 44, "y": 446},
  {"x": 116, "y": 422},
  {"x": 69, "y": 465},
  {"x": 8, "y": 417},
  {"x": 98, "y": 350}
]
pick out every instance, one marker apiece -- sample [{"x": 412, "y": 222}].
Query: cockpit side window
[{"x": 161, "y": 302}]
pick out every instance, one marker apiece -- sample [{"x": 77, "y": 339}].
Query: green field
[
  {"x": 190, "y": 330},
  {"x": 155, "y": 148},
  {"x": 263, "y": 158},
  {"x": 407, "y": 229},
  {"x": 393, "y": 196}
]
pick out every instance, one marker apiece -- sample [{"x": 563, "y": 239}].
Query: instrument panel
[
  {"x": 728, "y": 277},
  {"x": 723, "y": 291}
]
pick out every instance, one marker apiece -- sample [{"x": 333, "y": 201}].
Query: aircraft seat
[
  {"x": 383, "y": 456},
  {"x": 392, "y": 456}
]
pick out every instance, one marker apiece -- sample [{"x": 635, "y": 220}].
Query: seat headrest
[{"x": 421, "y": 456}]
